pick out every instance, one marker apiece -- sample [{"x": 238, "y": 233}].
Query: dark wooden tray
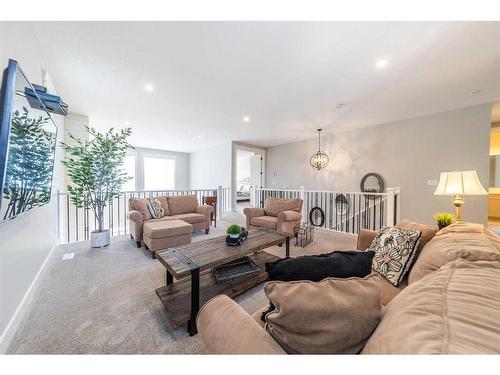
[{"x": 236, "y": 270}]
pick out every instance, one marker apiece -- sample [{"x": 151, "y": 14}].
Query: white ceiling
[{"x": 287, "y": 77}]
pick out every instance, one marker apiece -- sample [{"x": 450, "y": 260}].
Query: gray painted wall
[
  {"x": 406, "y": 153},
  {"x": 27, "y": 240}
]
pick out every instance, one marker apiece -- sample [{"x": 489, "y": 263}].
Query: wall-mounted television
[{"x": 28, "y": 137}]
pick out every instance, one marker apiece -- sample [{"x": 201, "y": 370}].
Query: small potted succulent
[
  {"x": 444, "y": 219},
  {"x": 234, "y": 231}
]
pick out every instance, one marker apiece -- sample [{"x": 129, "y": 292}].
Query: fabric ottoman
[{"x": 159, "y": 235}]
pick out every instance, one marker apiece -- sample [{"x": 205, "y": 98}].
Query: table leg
[
  {"x": 287, "y": 247},
  {"x": 195, "y": 301},
  {"x": 170, "y": 278}
]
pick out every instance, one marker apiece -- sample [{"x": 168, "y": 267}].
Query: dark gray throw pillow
[{"x": 339, "y": 264}]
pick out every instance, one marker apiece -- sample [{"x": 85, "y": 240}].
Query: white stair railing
[
  {"x": 75, "y": 224},
  {"x": 346, "y": 211}
]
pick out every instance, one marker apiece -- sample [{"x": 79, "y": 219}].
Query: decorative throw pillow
[
  {"x": 395, "y": 250},
  {"x": 339, "y": 264},
  {"x": 318, "y": 267},
  {"x": 155, "y": 208},
  {"x": 333, "y": 316}
]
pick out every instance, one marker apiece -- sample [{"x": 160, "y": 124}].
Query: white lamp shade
[{"x": 459, "y": 182}]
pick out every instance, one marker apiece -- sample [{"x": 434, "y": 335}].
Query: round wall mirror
[
  {"x": 372, "y": 183},
  {"x": 317, "y": 217},
  {"x": 341, "y": 204}
]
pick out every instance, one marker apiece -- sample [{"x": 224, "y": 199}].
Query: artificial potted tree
[{"x": 95, "y": 169}]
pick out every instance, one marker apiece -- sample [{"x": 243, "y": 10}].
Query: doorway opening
[{"x": 247, "y": 175}]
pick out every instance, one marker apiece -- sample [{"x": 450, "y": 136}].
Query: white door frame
[{"x": 235, "y": 146}]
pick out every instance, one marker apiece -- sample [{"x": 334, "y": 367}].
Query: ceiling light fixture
[
  {"x": 149, "y": 87},
  {"x": 245, "y": 119},
  {"x": 381, "y": 64},
  {"x": 319, "y": 159}
]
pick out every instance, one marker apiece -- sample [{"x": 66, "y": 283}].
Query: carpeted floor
[{"x": 103, "y": 301}]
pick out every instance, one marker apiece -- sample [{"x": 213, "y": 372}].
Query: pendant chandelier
[{"x": 319, "y": 159}]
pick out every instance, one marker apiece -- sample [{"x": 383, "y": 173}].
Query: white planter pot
[{"x": 99, "y": 239}]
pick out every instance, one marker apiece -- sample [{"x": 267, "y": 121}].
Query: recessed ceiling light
[
  {"x": 200, "y": 137},
  {"x": 149, "y": 87},
  {"x": 245, "y": 119},
  {"x": 381, "y": 64},
  {"x": 127, "y": 122}
]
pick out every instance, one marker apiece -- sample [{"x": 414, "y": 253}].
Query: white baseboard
[{"x": 13, "y": 325}]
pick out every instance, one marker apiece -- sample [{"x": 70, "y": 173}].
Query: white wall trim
[{"x": 15, "y": 320}]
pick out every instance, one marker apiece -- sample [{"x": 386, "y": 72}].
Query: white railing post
[
  {"x": 302, "y": 195},
  {"x": 389, "y": 218},
  {"x": 252, "y": 196},
  {"x": 220, "y": 202},
  {"x": 397, "y": 192}
]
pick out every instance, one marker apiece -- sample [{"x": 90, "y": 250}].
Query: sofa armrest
[
  {"x": 251, "y": 212},
  {"x": 289, "y": 216},
  {"x": 204, "y": 209},
  {"x": 135, "y": 216},
  {"x": 225, "y": 328},
  {"x": 365, "y": 238}
]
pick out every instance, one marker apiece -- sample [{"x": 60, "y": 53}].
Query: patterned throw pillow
[
  {"x": 394, "y": 252},
  {"x": 155, "y": 208}
]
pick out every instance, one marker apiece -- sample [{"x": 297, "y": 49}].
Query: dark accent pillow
[{"x": 340, "y": 264}]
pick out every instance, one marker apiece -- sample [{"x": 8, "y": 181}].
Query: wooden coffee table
[{"x": 183, "y": 297}]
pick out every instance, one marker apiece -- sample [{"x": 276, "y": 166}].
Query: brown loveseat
[
  {"x": 278, "y": 214},
  {"x": 181, "y": 207},
  {"x": 450, "y": 306}
]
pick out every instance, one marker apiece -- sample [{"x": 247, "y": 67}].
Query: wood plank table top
[{"x": 213, "y": 252}]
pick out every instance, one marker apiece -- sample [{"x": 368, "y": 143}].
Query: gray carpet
[{"x": 103, "y": 301}]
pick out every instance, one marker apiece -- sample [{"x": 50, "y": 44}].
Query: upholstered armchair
[{"x": 278, "y": 214}]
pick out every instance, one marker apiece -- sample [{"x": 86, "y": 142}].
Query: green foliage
[
  {"x": 444, "y": 218},
  {"x": 94, "y": 167},
  {"x": 233, "y": 229},
  {"x": 30, "y": 163}
]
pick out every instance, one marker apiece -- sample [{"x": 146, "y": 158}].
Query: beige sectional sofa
[
  {"x": 450, "y": 303},
  {"x": 182, "y": 207}
]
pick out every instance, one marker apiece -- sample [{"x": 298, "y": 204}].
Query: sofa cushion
[
  {"x": 428, "y": 232},
  {"x": 273, "y": 206},
  {"x": 395, "y": 250},
  {"x": 453, "y": 310},
  {"x": 458, "y": 240},
  {"x": 156, "y": 229},
  {"x": 269, "y": 222},
  {"x": 182, "y": 204},
  {"x": 330, "y": 316},
  {"x": 141, "y": 205},
  {"x": 189, "y": 218}
]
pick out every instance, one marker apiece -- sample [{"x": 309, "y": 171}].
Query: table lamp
[{"x": 458, "y": 184}]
